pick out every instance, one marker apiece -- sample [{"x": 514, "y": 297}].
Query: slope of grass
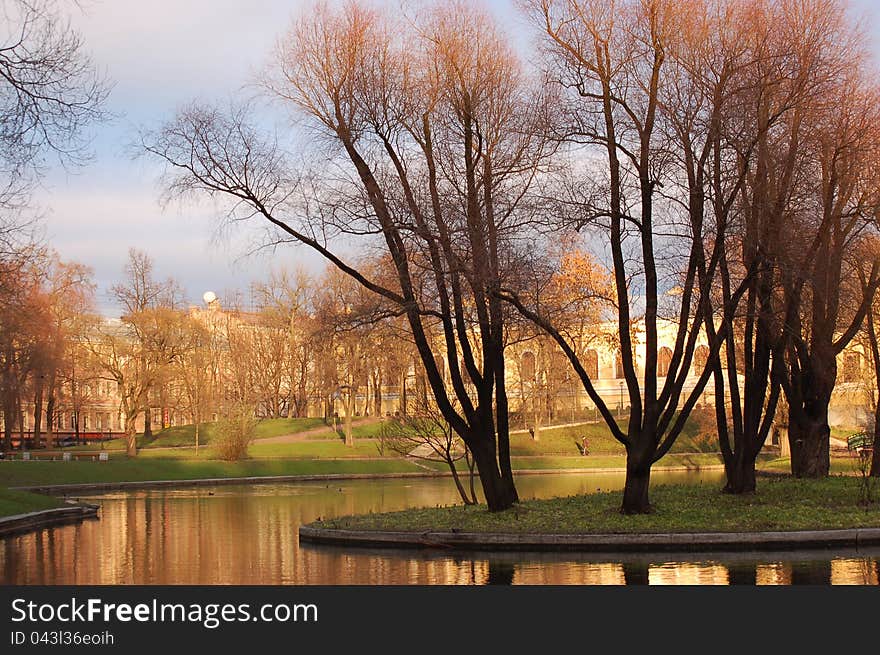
[
  {"x": 20, "y": 502},
  {"x": 122, "y": 469},
  {"x": 779, "y": 504},
  {"x": 698, "y": 436}
]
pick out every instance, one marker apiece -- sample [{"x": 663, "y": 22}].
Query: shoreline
[
  {"x": 599, "y": 542},
  {"x": 54, "y": 489},
  {"x": 34, "y": 521}
]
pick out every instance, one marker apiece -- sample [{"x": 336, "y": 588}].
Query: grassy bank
[
  {"x": 779, "y": 504},
  {"x": 20, "y": 502},
  {"x": 308, "y": 458},
  {"x": 697, "y": 436},
  {"x": 22, "y": 474}
]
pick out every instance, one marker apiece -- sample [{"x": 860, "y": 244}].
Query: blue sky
[{"x": 160, "y": 55}]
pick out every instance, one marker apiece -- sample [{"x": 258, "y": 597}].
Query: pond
[{"x": 248, "y": 535}]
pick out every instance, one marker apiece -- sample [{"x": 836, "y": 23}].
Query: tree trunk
[
  {"x": 499, "y": 491},
  {"x": 50, "y": 411},
  {"x": 638, "y": 478},
  {"x": 740, "y": 472},
  {"x": 401, "y": 403},
  {"x": 148, "y": 425},
  {"x": 8, "y": 419},
  {"x": 349, "y": 407},
  {"x": 38, "y": 412},
  {"x": 131, "y": 448},
  {"x": 457, "y": 480},
  {"x": 196, "y": 420},
  {"x": 808, "y": 436},
  {"x": 377, "y": 391}
]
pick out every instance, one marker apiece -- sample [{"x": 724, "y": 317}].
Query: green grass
[
  {"x": 20, "y": 502},
  {"x": 314, "y": 448},
  {"x": 184, "y": 435},
  {"x": 551, "y": 462},
  {"x": 275, "y": 427},
  {"x": 122, "y": 469},
  {"x": 843, "y": 465},
  {"x": 779, "y": 504},
  {"x": 698, "y": 436}
]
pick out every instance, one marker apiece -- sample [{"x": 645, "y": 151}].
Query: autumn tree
[
  {"x": 647, "y": 131},
  {"x": 195, "y": 369},
  {"x": 68, "y": 301},
  {"x": 839, "y": 200},
  {"x": 284, "y": 302},
  {"x": 149, "y": 309},
  {"x": 431, "y": 128}
]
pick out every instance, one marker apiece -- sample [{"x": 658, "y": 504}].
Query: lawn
[
  {"x": 184, "y": 435},
  {"x": 122, "y": 469},
  {"x": 779, "y": 504},
  {"x": 20, "y": 502}
]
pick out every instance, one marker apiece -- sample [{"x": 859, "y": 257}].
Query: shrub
[{"x": 234, "y": 432}]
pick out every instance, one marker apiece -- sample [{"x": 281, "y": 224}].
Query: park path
[{"x": 306, "y": 434}]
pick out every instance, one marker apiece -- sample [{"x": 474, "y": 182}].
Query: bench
[
  {"x": 860, "y": 441},
  {"x": 66, "y": 456}
]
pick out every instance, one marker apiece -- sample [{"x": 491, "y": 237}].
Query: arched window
[
  {"x": 591, "y": 364},
  {"x": 618, "y": 366},
  {"x": 701, "y": 358},
  {"x": 664, "y": 358},
  {"x": 559, "y": 370},
  {"x": 527, "y": 366}
]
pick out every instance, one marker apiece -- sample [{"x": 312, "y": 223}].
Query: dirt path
[{"x": 306, "y": 434}]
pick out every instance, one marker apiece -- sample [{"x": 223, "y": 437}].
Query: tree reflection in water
[{"x": 248, "y": 535}]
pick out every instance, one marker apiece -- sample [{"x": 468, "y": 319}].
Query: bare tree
[
  {"x": 839, "y": 202},
  {"x": 50, "y": 92},
  {"x": 430, "y": 127},
  {"x": 149, "y": 308},
  {"x": 424, "y": 434},
  {"x": 646, "y": 128}
]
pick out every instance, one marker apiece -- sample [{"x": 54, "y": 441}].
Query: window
[
  {"x": 527, "y": 366},
  {"x": 618, "y": 366},
  {"x": 664, "y": 358},
  {"x": 591, "y": 364}
]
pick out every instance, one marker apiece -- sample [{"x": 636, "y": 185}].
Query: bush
[{"x": 234, "y": 433}]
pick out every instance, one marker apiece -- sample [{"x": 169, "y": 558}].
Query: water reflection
[{"x": 248, "y": 535}]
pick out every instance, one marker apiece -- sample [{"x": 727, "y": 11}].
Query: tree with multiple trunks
[
  {"x": 648, "y": 131},
  {"x": 717, "y": 158},
  {"x": 431, "y": 129}
]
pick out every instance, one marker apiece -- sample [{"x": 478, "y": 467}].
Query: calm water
[{"x": 248, "y": 535}]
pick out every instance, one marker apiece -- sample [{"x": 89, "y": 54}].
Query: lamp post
[{"x": 620, "y": 400}]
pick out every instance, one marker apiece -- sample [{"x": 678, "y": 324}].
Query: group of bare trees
[
  {"x": 44, "y": 305},
  {"x": 717, "y": 157},
  {"x": 50, "y": 92}
]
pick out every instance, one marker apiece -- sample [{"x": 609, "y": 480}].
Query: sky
[{"x": 159, "y": 56}]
